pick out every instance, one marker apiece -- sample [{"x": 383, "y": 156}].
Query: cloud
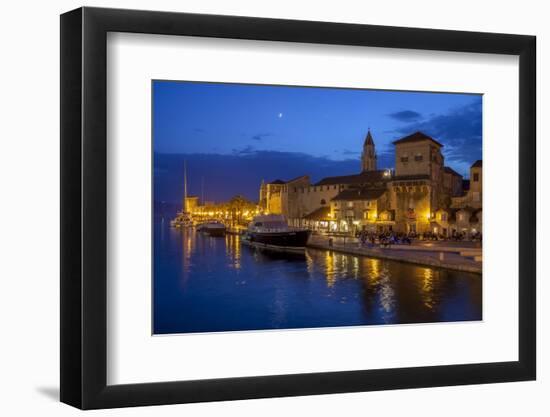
[
  {"x": 260, "y": 136},
  {"x": 349, "y": 152},
  {"x": 244, "y": 151},
  {"x": 405, "y": 115},
  {"x": 460, "y": 131}
]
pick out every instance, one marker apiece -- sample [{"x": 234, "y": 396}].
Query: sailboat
[{"x": 183, "y": 218}]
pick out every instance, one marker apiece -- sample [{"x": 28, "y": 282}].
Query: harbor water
[{"x": 212, "y": 284}]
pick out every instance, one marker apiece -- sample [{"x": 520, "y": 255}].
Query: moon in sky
[{"x": 280, "y": 115}]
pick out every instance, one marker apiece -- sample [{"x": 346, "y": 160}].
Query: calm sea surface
[{"x": 207, "y": 284}]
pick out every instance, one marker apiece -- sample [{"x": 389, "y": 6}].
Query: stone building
[
  {"x": 473, "y": 193},
  {"x": 361, "y": 207},
  {"x": 453, "y": 181},
  {"x": 271, "y": 196},
  {"x": 190, "y": 203},
  {"x": 419, "y": 195},
  {"x": 465, "y": 210}
]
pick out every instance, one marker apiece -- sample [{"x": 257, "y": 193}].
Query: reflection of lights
[
  {"x": 374, "y": 268},
  {"x": 309, "y": 263},
  {"x": 355, "y": 269},
  {"x": 428, "y": 287},
  {"x": 330, "y": 268},
  {"x": 387, "y": 295}
]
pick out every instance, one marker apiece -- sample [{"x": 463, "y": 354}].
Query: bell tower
[{"x": 368, "y": 157}]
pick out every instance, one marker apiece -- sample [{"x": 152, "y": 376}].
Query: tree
[{"x": 237, "y": 205}]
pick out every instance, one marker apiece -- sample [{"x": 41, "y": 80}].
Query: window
[
  {"x": 418, "y": 157},
  {"x": 334, "y": 187},
  {"x": 476, "y": 177},
  {"x": 350, "y": 203},
  {"x": 404, "y": 159},
  {"x": 444, "y": 217},
  {"x": 323, "y": 202}
]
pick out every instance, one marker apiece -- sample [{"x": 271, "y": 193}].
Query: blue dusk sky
[{"x": 233, "y": 135}]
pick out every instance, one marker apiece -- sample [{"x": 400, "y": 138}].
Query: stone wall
[{"x": 412, "y": 205}]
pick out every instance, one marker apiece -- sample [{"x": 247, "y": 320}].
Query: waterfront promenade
[{"x": 459, "y": 256}]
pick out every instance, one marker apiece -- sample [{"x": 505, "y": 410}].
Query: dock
[{"x": 458, "y": 258}]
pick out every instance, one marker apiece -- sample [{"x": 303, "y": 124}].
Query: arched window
[{"x": 323, "y": 202}]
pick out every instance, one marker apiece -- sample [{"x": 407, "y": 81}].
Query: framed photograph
[{"x": 258, "y": 208}]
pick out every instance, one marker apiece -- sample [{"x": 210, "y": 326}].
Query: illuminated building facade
[{"x": 419, "y": 195}]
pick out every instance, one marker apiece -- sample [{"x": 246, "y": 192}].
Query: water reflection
[
  {"x": 204, "y": 284},
  {"x": 233, "y": 251}
]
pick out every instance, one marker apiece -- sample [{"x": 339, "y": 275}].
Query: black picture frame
[{"x": 84, "y": 207}]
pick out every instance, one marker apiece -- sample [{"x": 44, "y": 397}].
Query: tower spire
[
  {"x": 368, "y": 139},
  {"x": 368, "y": 157}
]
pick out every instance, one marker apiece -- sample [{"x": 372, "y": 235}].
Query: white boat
[{"x": 182, "y": 219}]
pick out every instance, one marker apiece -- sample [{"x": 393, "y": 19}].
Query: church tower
[{"x": 368, "y": 157}]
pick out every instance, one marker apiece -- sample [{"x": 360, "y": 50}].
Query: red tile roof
[
  {"x": 477, "y": 164},
  {"x": 322, "y": 213},
  {"x": 359, "y": 194},
  {"x": 451, "y": 171},
  {"x": 417, "y": 137},
  {"x": 362, "y": 178}
]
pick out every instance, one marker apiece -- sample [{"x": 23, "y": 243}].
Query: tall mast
[
  {"x": 202, "y": 190},
  {"x": 184, "y": 185}
]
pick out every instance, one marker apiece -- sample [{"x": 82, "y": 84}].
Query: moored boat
[
  {"x": 215, "y": 229},
  {"x": 272, "y": 232},
  {"x": 182, "y": 220}
]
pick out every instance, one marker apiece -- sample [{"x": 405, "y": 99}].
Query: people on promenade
[{"x": 385, "y": 239}]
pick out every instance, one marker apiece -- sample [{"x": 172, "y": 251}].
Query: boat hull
[
  {"x": 291, "y": 239},
  {"x": 215, "y": 232}
]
